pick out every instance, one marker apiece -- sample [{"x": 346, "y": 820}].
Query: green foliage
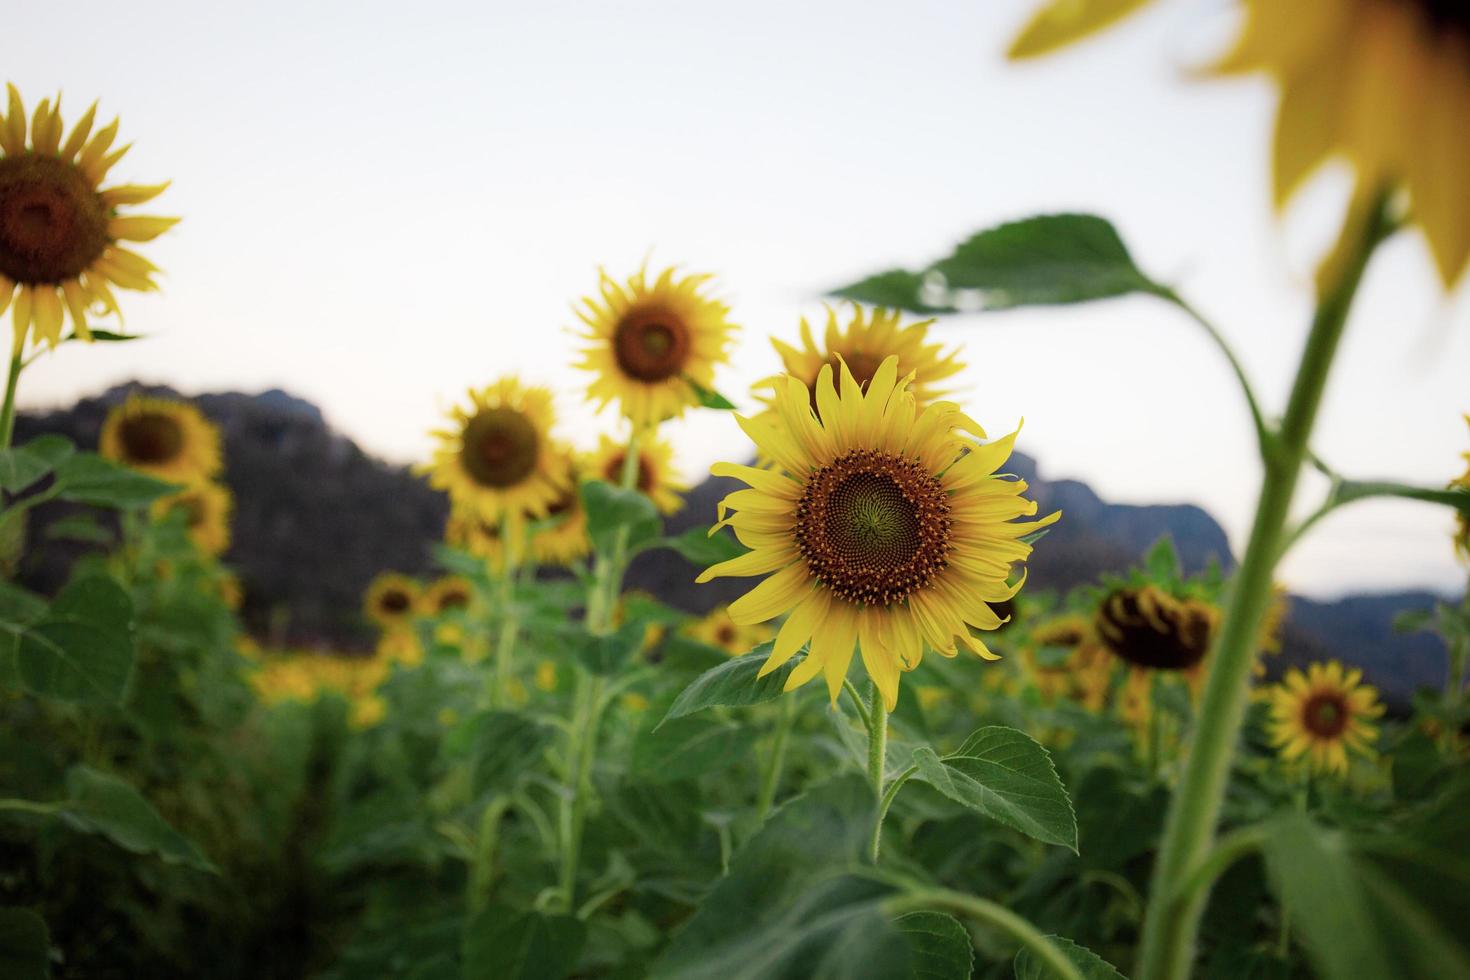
[
  {"x": 708, "y": 397},
  {"x": 23, "y": 466},
  {"x": 687, "y": 747},
  {"x": 25, "y": 946},
  {"x": 99, "y": 803},
  {"x": 502, "y": 943},
  {"x": 939, "y": 946},
  {"x": 734, "y": 683},
  {"x": 81, "y": 648},
  {"x": 606, "y": 653},
  {"x": 612, "y": 511},
  {"x": 703, "y": 549},
  {"x": 86, "y": 478},
  {"x": 1093, "y": 967}
]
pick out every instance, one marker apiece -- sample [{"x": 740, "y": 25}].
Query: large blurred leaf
[
  {"x": 82, "y": 648},
  {"x": 502, "y": 943},
  {"x": 1006, "y": 775},
  {"x": 939, "y": 946},
  {"x": 610, "y": 508},
  {"x": 498, "y": 746},
  {"x": 87, "y": 478},
  {"x": 100, "y": 803},
  {"x": 734, "y": 683},
  {"x": 1049, "y": 259},
  {"x": 606, "y": 653},
  {"x": 703, "y": 549},
  {"x": 790, "y": 908},
  {"x": 1029, "y": 966},
  {"x": 688, "y": 747},
  {"x": 25, "y": 946},
  {"x": 24, "y": 465}
]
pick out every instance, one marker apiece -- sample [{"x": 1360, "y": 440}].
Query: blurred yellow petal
[
  {"x": 133, "y": 193},
  {"x": 47, "y": 314},
  {"x": 1061, "y": 22},
  {"x": 21, "y": 314},
  {"x": 15, "y": 123},
  {"x": 79, "y": 133},
  {"x": 137, "y": 228},
  {"x": 76, "y": 303}
]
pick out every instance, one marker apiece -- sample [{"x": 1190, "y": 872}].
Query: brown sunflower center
[
  {"x": 453, "y": 599},
  {"x": 52, "y": 225},
  {"x": 725, "y": 635},
  {"x": 613, "y": 472},
  {"x": 1445, "y": 16},
  {"x": 873, "y": 527},
  {"x": 151, "y": 438},
  {"x": 1149, "y": 629},
  {"x": 1325, "y": 714},
  {"x": 500, "y": 447},
  {"x": 192, "y": 508},
  {"x": 651, "y": 345},
  {"x": 394, "y": 601}
]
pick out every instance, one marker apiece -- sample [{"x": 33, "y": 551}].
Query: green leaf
[
  {"x": 1007, "y": 776},
  {"x": 103, "y": 336},
  {"x": 1049, "y": 259},
  {"x": 1162, "y": 561},
  {"x": 708, "y": 397},
  {"x": 82, "y": 648},
  {"x": 25, "y": 946},
  {"x": 610, "y": 508},
  {"x": 790, "y": 907},
  {"x": 24, "y": 465},
  {"x": 500, "y": 745},
  {"x": 734, "y": 684},
  {"x": 78, "y": 529},
  {"x": 102, "y": 804},
  {"x": 87, "y": 478},
  {"x": 939, "y": 946},
  {"x": 1029, "y": 966},
  {"x": 1351, "y": 490},
  {"x": 686, "y": 748},
  {"x": 703, "y": 549},
  {"x": 502, "y": 943},
  {"x": 605, "y": 654}
]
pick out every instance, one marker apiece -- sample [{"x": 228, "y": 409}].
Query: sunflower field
[{"x": 887, "y": 758}]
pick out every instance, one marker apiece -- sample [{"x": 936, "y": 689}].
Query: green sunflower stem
[
  {"x": 877, "y": 754},
  {"x": 1172, "y": 919},
  {"x": 989, "y": 914},
  {"x": 505, "y": 641},
  {"x": 771, "y": 778},
  {"x": 482, "y": 871},
  {"x": 7, "y": 413}
]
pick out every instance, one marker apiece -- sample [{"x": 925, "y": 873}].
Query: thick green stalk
[
  {"x": 7, "y": 412},
  {"x": 1172, "y": 921},
  {"x": 505, "y": 641},
  {"x": 482, "y": 872},
  {"x": 877, "y": 756}
]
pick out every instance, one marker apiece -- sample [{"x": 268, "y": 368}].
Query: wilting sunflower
[
  {"x": 390, "y": 600},
  {"x": 206, "y": 508},
  {"x": 885, "y": 528},
  {"x": 59, "y": 228},
  {"x": 1065, "y": 660},
  {"x": 1150, "y": 629},
  {"x": 656, "y": 478},
  {"x": 1382, "y": 84},
  {"x": 718, "y": 630},
  {"x": 652, "y": 344},
  {"x": 168, "y": 439},
  {"x": 498, "y": 460},
  {"x": 869, "y": 337},
  {"x": 1462, "y": 532},
  {"x": 444, "y": 595},
  {"x": 1324, "y": 714}
]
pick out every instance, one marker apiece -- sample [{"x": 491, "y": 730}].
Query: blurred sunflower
[
  {"x": 1151, "y": 630},
  {"x": 168, "y": 439},
  {"x": 869, "y": 337},
  {"x": 880, "y": 528},
  {"x": 469, "y": 532},
  {"x": 561, "y": 537},
  {"x": 656, "y": 478},
  {"x": 650, "y": 345},
  {"x": 1384, "y": 84},
  {"x": 390, "y": 600},
  {"x": 718, "y": 630},
  {"x": 1324, "y": 714},
  {"x": 1065, "y": 660},
  {"x": 59, "y": 229},
  {"x": 1462, "y": 533},
  {"x": 447, "y": 594},
  {"x": 205, "y": 507},
  {"x": 400, "y": 645},
  {"x": 498, "y": 460}
]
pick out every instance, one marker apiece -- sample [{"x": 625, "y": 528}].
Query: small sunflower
[
  {"x": 651, "y": 344},
  {"x": 171, "y": 440},
  {"x": 718, "y": 630},
  {"x": 880, "y": 527},
  {"x": 1462, "y": 527},
  {"x": 59, "y": 228},
  {"x": 656, "y": 478},
  {"x": 1065, "y": 660},
  {"x": 1324, "y": 714},
  {"x": 561, "y": 537},
  {"x": 390, "y": 600},
  {"x": 451, "y": 593},
  {"x": 206, "y": 508},
  {"x": 869, "y": 337},
  {"x": 400, "y": 645},
  {"x": 1152, "y": 630},
  {"x": 498, "y": 460},
  {"x": 1383, "y": 84}
]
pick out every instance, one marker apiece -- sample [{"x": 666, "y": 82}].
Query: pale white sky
[{"x": 386, "y": 203}]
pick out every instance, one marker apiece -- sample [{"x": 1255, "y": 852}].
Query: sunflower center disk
[
  {"x": 614, "y": 472},
  {"x": 1446, "y": 15},
  {"x": 499, "y": 447},
  {"x": 394, "y": 602},
  {"x": 192, "y": 508},
  {"x": 1325, "y": 715},
  {"x": 52, "y": 225},
  {"x": 873, "y": 527},
  {"x": 651, "y": 345},
  {"x": 453, "y": 600},
  {"x": 152, "y": 438}
]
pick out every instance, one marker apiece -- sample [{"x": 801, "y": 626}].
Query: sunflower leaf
[
  {"x": 1092, "y": 967},
  {"x": 734, "y": 683},
  {"x": 87, "y": 478},
  {"x": 687, "y": 748},
  {"x": 698, "y": 547},
  {"x": 1008, "y": 776},
  {"x": 606, "y": 653},
  {"x": 610, "y": 508},
  {"x": 24, "y": 465},
  {"x": 100, "y": 803},
  {"x": 103, "y": 336},
  {"x": 708, "y": 397},
  {"x": 939, "y": 946},
  {"x": 25, "y": 945},
  {"x": 508, "y": 944},
  {"x": 81, "y": 649},
  {"x": 497, "y": 746}
]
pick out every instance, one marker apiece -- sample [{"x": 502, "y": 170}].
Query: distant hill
[{"x": 317, "y": 518}]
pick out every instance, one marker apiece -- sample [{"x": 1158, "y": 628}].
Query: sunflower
[
  {"x": 451, "y": 593},
  {"x": 168, "y": 439},
  {"x": 1065, "y": 660},
  {"x": 390, "y": 600},
  {"x": 59, "y": 229},
  {"x": 718, "y": 630},
  {"x": 1151, "y": 630},
  {"x": 400, "y": 645},
  {"x": 868, "y": 338},
  {"x": 558, "y": 538},
  {"x": 206, "y": 508},
  {"x": 498, "y": 460},
  {"x": 653, "y": 346},
  {"x": 656, "y": 479},
  {"x": 1462, "y": 532},
  {"x": 1382, "y": 84},
  {"x": 1323, "y": 714},
  {"x": 885, "y": 528}
]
